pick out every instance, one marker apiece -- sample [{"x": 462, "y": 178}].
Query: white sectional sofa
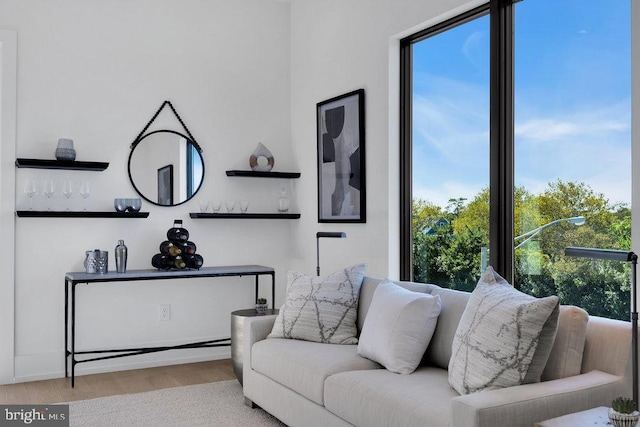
[{"x": 315, "y": 384}]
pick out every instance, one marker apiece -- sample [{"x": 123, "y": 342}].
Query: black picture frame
[
  {"x": 165, "y": 185},
  {"x": 341, "y": 158}
]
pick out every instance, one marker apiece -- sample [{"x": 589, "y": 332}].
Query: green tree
[{"x": 449, "y": 254}]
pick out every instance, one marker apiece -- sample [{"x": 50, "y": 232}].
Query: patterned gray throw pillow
[
  {"x": 497, "y": 336},
  {"x": 321, "y": 309}
]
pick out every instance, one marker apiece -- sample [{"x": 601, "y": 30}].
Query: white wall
[
  {"x": 8, "y": 79},
  {"x": 96, "y": 72}
]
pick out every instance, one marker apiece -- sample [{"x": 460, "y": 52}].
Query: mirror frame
[{"x": 189, "y": 141}]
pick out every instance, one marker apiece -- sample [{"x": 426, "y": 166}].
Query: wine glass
[
  {"x": 30, "y": 191},
  {"x": 85, "y": 191},
  {"x": 67, "y": 191},
  {"x": 204, "y": 205},
  {"x": 48, "y": 190}
]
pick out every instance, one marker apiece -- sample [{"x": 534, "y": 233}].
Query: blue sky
[{"x": 573, "y": 102}]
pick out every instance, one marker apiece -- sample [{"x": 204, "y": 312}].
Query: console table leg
[
  {"x": 73, "y": 335},
  {"x": 66, "y": 329},
  {"x": 255, "y": 300},
  {"x": 273, "y": 290}
]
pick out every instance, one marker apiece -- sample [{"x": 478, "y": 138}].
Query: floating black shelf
[
  {"x": 61, "y": 164},
  {"x": 256, "y": 174},
  {"x": 247, "y": 215},
  {"x": 80, "y": 214}
]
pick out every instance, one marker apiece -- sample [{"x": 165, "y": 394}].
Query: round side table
[{"x": 237, "y": 317}]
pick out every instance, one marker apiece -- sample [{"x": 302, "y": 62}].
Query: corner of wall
[{"x": 8, "y": 92}]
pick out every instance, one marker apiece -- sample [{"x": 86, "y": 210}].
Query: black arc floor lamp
[
  {"x": 624, "y": 256},
  {"x": 321, "y": 234}
]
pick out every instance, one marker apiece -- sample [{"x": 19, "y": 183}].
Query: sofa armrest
[
  {"x": 528, "y": 404},
  {"x": 254, "y": 329}
]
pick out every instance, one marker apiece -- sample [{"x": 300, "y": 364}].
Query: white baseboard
[{"x": 44, "y": 366}]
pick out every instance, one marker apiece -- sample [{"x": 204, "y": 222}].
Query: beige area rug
[{"x": 213, "y": 404}]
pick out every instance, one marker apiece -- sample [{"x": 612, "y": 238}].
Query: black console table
[{"x": 74, "y": 279}]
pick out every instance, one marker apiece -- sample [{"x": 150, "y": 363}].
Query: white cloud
[
  {"x": 614, "y": 118},
  {"x": 474, "y": 49},
  {"x": 546, "y": 129}
]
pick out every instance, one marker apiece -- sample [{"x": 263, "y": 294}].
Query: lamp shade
[
  {"x": 336, "y": 234},
  {"x": 607, "y": 254}
]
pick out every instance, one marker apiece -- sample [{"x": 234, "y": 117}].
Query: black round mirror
[{"x": 166, "y": 167}]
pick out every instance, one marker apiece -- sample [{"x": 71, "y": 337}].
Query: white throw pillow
[
  {"x": 398, "y": 327},
  {"x": 497, "y": 336},
  {"x": 321, "y": 309}
]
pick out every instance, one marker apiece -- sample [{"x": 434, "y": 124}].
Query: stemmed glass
[
  {"x": 49, "y": 191},
  {"x": 85, "y": 191},
  {"x": 67, "y": 191},
  {"x": 30, "y": 191}
]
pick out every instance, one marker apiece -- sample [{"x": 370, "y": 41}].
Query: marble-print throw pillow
[
  {"x": 497, "y": 336},
  {"x": 321, "y": 309}
]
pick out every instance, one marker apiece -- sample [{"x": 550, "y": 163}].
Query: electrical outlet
[{"x": 164, "y": 312}]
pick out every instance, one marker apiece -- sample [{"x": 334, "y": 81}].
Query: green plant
[
  {"x": 624, "y": 405},
  {"x": 261, "y": 301}
]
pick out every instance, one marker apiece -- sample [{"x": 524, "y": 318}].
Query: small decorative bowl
[
  {"x": 120, "y": 205},
  {"x": 134, "y": 205}
]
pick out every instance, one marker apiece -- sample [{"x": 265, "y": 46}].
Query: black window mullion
[
  {"x": 406, "y": 147},
  {"x": 501, "y": 170}
]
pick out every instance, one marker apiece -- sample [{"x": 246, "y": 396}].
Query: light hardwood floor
[{"x": 113, "y": 383}]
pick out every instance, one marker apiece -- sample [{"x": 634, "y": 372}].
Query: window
[
  {"x": 509, "y": 151},
  {"x": 450, "y": 149}
]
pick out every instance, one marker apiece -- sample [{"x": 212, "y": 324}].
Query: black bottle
[
  {"x": 194, "y": 261},
  {"x": 169, "y": 248},
  {"x": 177, "y": 233}
]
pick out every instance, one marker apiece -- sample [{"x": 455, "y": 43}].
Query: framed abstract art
[{"x": 341, "y": 159}]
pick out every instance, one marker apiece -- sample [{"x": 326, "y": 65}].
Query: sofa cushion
[
  {"x": 565, "y": 359},
  {"x": 497, "y": 336},
  {"x": 453, "y": 304},
  {"x": 382, "y": 398},
  {"x": 303, "y": 366},
  {"x": 398, "y": 327},
  {"x": 321, "y": 309}
]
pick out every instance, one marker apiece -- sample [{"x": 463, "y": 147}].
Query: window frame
[{"x": 501, "y": 146}]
